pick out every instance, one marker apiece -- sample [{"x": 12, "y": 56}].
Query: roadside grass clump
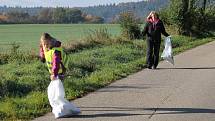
[
  {"x": 94, "y": 38},
  {"x": 17, "y": 56},
  {"x": 19, "y": 80},
  {"x": 35, "y": 104},
  {"x": 182, "y": 43}
]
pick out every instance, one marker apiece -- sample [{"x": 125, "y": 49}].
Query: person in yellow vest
[{"x": 53, "y": 55}]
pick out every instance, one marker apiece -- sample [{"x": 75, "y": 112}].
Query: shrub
[
  {"x": 129, "y": 25},
  {"x": 94, "y": 38}
]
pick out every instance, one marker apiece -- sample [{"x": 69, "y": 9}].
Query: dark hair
[{"x": 46, "y": 36}]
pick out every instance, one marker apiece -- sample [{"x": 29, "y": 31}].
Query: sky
[{"x": 60, "y": 3}]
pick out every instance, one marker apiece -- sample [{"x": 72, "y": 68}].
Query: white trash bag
[
  {"x": 167, "y": 52},
  {"x": 60, "y": 106}
]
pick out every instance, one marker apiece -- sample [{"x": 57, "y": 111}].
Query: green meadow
[{"x": 28, "y": 35}]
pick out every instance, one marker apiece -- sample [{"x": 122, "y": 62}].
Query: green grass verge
[{"x": 24, "y": 83}]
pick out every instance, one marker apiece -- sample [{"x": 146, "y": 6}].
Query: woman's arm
[
  {"x": 163, "y": 30},
  {"x": 145, "y": 30}
]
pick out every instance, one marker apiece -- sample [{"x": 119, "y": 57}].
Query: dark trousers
[{"x": 152, "y": 57}]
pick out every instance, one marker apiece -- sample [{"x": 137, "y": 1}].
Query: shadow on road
[
  {"x": 110, "y": 109},
  {"x": 106, "y": 115},
  {"x": 180, "y": 110},
  {"x": 156, "y": 110},
  {"x": 189, "y": 68},
  {"x": 120, "y": 88}
]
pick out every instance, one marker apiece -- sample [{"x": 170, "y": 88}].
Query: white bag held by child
[
  {"x": 60, "y": 106},
  {"x": 167, "y": 52}
]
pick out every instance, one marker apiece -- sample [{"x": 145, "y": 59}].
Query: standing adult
[{"x": 153, "y": 29}]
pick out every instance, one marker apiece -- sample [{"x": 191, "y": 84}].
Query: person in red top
[{"x": 153, "y": 29}]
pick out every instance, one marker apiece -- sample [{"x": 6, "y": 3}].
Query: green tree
[
  {"x": 129, "y": 25},
  {"x": 188, "y": 16}
]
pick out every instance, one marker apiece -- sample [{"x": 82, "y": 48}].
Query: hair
[
  {"x": 155, "y": 13},
  {"x": 47, "y": 40}
]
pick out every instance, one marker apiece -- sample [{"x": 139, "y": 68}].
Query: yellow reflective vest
[{"x": 49, "y": 56}]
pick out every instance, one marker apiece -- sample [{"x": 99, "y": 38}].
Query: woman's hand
[
  {"x": 149, "y": 16},
  {"x": 52, "y": 77}
]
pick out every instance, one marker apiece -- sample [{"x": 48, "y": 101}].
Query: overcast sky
[{"x": 60, "y": 3}]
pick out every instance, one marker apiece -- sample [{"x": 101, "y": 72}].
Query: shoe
[
  {"x": 149, "y": 67},
  {"x": 154, "y": 67}
]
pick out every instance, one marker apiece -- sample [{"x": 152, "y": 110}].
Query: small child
[
  {"x": 55, "y": 43},
  {"x": 52, "y": 53},
  {"x": 54, "y": 61}
]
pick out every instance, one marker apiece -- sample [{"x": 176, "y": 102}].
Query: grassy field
[{"x": 28, "y": 35}]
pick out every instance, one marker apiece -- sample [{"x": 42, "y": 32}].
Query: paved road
[{"x": 184, "y": 92}]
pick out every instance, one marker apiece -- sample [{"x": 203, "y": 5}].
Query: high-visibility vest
[{"x": 49, "y": 56}]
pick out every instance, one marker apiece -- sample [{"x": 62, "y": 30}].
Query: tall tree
[{"x": 189, "y": 16}]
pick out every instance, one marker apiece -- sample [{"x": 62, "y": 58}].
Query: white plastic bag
[
  {"x": 167, "y": 52},
  {"x": 60, "y": 106}
]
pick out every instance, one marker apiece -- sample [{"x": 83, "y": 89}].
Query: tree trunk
[
  {"x": 204, "y": 5},
  {"x": 185, "y": 20}
]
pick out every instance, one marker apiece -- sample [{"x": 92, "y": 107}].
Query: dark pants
[{"x": 152, "y": 56}]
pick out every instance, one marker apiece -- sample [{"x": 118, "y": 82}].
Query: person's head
[
  {"x": 154, "y": 15},
  {"x": 46, "y": 40}
]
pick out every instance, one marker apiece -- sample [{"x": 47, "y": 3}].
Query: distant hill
[
  {"x": 107, "y": 12},
  {"x": 141, "y": 9}
]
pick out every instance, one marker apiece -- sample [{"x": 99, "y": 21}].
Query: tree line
[
  {"x": 93, "y": 14},
  {"x": 49, "y": 16},
  {"x": 190, "y": 17}
]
